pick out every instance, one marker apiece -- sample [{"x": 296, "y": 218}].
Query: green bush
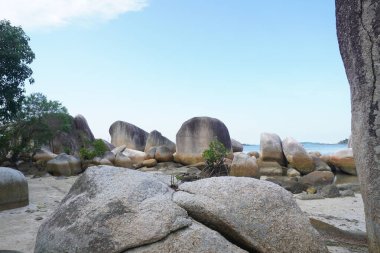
[
  {"x": 97, "y": 149},
  {"x": 214, "y": 158}
]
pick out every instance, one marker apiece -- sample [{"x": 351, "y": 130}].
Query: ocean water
[{"x": 324, "y": 149}]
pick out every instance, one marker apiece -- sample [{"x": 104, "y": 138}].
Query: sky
[{"x": 258, "y": 66}]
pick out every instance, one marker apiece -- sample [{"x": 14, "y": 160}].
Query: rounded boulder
[
  {"x": 13, "y": 189},
  {"x": 195, "y": 135}
]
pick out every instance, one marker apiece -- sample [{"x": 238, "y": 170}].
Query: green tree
[
  {"x": 15, "y": 55},
  {"x": 35, "y": 125},
  {"x": 214, "y": 158}
]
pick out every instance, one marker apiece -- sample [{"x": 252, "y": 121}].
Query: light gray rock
[
  {"x": 13, "y": 189},
  {"x": 129, "y": 157},
  {"x": 244, "y": 165},
  {"x": 155, "y": 139},
  {"x": 64, "y": 165},
  {"x": 196, "y": 238},
  {"x": 271, "y": 148},
  {"x": 359, "y": 43},
  {"x": 123, "y": 133},
  {"x": 293, "y": 173},
  {"x": 258, "y": 215},
  {"x": 297, "y": 156},
  {"x": 236, "y": 146},
  {"x": 194, "y": 137},
  {"x": 111, "y": 209}
]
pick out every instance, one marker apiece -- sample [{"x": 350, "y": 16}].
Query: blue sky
[{"x": 259, "y": 66}]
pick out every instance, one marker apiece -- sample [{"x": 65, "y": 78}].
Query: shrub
[
  {"x": 214, "y": 158},
  {"x": 98, "y": 148}
]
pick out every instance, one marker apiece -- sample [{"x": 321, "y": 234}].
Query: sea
[{"x": 324, "y": 149}]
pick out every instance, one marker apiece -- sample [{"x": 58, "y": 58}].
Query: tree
[
  {"x": 35, "y": 125},
  {"x": 15, "y": 55},
  {"x": 214, "y": 158}
]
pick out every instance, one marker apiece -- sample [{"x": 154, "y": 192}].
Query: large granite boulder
[
  {"x": 258, "y": 215},
  {"x": 359, "y": 43},
  {"x": 111, "y": 209},
  {"x": 244, "y": 165},
  {"x": 297, "y": 156},
  {"x": 71, "y": 141},
  {"x": 81, "y": 125},
  {"x": 318, "y": 178},
  {"x": 163, "y": 154},
  {"x": 269, "y": 168},
  {"x": 194, "y": 137},
  {"x": 129, "y": 157},
  {"x": 13, "y": 189},
  {"x": 123, "y": 133},
  {"x": 236, "y": 146},
  {"x": 64, "y": 165},
  {"x": 155, "y": 139},
  {"x": 197, "y": 238},
  {"x": 271, "y": 148},
  {"x": 344, "y": 160}
]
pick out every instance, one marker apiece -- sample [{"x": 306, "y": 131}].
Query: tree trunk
[{"x": 358, "y": 29}]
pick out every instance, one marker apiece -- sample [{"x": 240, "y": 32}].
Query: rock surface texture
[
  {"x": 123, "y": 133},
  {"x": 236, "y": 146},
  {"x": 64, "y": 165},
  {"x": 194, "y": 137},
  {"x": 155, "y": 139},
  {"x": 358, "y": 33},
  {"x": 111, "y": 209},
  {"x": 13, "y": 189},
  {"x": 297, "y": 156},
  {"x": 271, "y": 148},
  {"x": 244, "y": 165},
  {"x": 260, "y": 216},
  {"x": 344, "y": 160}
]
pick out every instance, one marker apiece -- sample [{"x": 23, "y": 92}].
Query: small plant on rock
[{"x": 214, "y": 158}]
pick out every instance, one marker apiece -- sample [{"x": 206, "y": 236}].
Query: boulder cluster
[{"x": 112, "y": 209}]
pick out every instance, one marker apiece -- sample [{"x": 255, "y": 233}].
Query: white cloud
[{"x": 54, "y": 13}]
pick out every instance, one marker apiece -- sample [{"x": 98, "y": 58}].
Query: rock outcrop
[
  {"x": 13, "y": 189},
  {"x": 357, "y": 23},
  {"x": 194, "y": 137},
  {"x": 297, "y": 156},
  {"x": 236, "y": 146},
  {"x": 244, "y": 165},
  {"x": 271, "y": 148},
  {"x": 111, "y": 209},
  {"x": 74, "y": 139},
  {"x": 123, "y": 133},
  {"x": 344, "y": 160},
  {"x": 64, "y": 165},
  {"x": 155, "y": 139},
  {"x": 258, "y": 215}
]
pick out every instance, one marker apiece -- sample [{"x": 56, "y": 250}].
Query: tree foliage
[
  {"x": 34, "y": 126},
  {"x": 15, "y": 56},
  {"x": 214, "y": 158},
  {"x": 97, "y": 149}
]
